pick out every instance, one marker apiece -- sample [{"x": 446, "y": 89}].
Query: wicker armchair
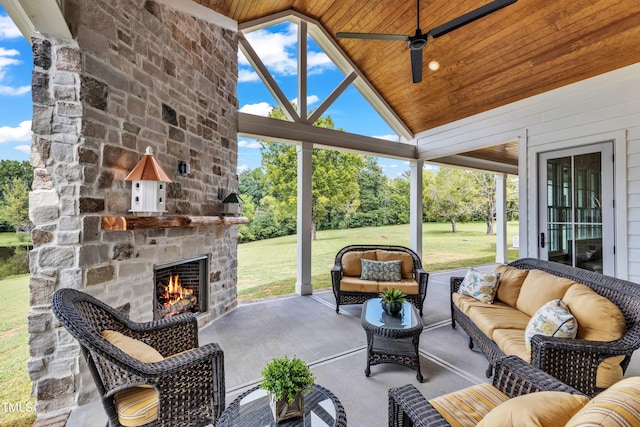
[
  {"x": 513, "y": 377},
  {"x": 189, "y": 381}
]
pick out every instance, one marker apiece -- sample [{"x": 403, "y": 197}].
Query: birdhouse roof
[
  {"x": 233, "y": 198},
  {"x": 148, "y": 169}
]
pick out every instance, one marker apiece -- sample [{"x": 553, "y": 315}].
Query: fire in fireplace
[{"x": 181, "y": 286}]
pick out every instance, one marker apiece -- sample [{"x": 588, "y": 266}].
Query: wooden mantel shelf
[{"x": 123, "y": 223}]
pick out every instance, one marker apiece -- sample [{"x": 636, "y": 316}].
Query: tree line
[{"x": 350, "y": 190}]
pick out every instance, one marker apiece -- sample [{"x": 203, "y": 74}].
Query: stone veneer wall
[{"x": 137, "y": 74}]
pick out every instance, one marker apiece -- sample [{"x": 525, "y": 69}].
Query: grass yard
[
  {"x": 13, "y": 239},
  {"x": 15, "y": 385},
  {"x": 268, "y": 267}
]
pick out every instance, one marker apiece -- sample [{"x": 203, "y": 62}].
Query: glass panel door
[{"x": 576, "y": 213}]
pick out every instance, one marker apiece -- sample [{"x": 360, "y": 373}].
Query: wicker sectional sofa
[
  {"x": 350, "y": 288},
  {"x": 607, "y": 311}
]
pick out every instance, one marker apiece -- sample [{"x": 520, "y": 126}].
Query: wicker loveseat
[
  {"x": 183, "y": 386},
  {"x": 520, "y": 395},
  {"x": 350, "y": 288},
  {"x": 590, "y": 362}
]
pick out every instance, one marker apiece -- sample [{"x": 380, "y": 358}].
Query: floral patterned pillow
[
  {"x": 553, "y": 319},
  {"x": 384, "y": 271},
  {"x": 480, "y": 285}
]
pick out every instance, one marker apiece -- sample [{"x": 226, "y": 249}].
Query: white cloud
[
  {"x": 242, "y": 168},
  {"x": 246, "y": 75},
  {"x": 278, "y": 52},
  {"x": 389, "y": 137},
  {"x": 246, "y": 143},
  {"x": 311, "y": 99},
  {"x": 8, "y": 29},
  {"x": 259, "y": 109},
  {"x": 20, "y": 133},
  {"x": 24, "y": 148},
  {"x": 7, "y": 60}
]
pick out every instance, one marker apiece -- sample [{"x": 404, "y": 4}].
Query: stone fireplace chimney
[{"x": 137, "y": 73}]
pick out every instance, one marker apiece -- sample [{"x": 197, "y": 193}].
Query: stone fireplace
[
  {"x": 137, "y": 73},
  {"x": 180, "y": 287}
]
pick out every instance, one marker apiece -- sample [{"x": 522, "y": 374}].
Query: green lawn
[
  {"x": 268, "y": 267},
  {"x": 14, "y": 239},
  {"x": 15, "y": 385}
]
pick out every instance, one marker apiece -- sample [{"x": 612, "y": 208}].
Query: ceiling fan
[{"x": 418, "y": 41}]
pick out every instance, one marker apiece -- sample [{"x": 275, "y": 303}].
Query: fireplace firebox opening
[{"x": 180, "y": 287}]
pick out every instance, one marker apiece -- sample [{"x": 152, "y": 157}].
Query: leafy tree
[
  {"x": 253, "y": 183},
  {"x": 449, "y": 196},
  {"x": 13, "y": 169},
  {"x": 14, "y": 207},
  {"x": 335, "y": 188},
  {"x": 485, "y": 197}
]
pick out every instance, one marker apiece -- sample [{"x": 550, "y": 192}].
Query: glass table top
[{"x": 376, "y": 316}]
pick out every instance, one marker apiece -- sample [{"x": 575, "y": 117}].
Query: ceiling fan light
[
  {"x": 434, "y": 65},
  {"x": 417, "y": 44}
]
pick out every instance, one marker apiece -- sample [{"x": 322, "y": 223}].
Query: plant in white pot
[{"x": 286, "y": 379}]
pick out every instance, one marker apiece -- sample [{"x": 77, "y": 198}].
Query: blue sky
[{"x": 277, "y": 47}]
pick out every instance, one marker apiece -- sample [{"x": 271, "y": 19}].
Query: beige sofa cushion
[
  {"x": 408, "y": 286},
  {"x": 511, "y": 280},
  {"x": 356, "y": 284},
  {"x": 468, "y": 406},
  {"x": 619, "y": 405},
  {"x": 539, "y": 288},
  {"x": 543, "y": 408},
  {"x": 352, "y": 264},
  {"x": 134, "y": 348},
  {"x": 498, "y": 316},
  {"x": 598, "y": 320},
  {"x": 407, "y": 261},
  {"x": 511, "y": 342}
]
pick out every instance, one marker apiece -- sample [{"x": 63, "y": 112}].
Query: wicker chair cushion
[
  {"x": 465, "y": 408},
  {"x": 405, "y": 258},
  {"x": 511, "y": 342},
  {"x": 386, "y": 271},
  {"x": 544, "y": 408},
  {"x": 480, "y": 285},
  {"x": 137, "y": 406},
  {"x": 553, "y": 319},
  {"x": 356, "y": 284},
  {"x": 617, "y": 406},
  {"x": 134, "y": 348},
  {"x": 498, "y": 316},
  {"x": 352, "y": 264},
  {"x": 538, "y": 288},
  {"x": 408, "y": 286},
  {"x": 511, "y": 280},
  {"x": 598, "y": 318}
]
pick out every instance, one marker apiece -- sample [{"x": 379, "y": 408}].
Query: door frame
[{"x": 528, "y": 166}]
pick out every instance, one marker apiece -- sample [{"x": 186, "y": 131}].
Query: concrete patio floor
[{"x": 334, "y": 345}]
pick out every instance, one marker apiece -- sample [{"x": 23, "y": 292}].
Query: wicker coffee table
[
  {"x": 251, "y": 409},
  {"x": 392, "y": 339}
]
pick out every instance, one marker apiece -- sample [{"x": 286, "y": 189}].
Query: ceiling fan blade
[
  {"x": 469, "y": 17},
  {"x": 372, "y": 36},
  {"x": 416, "y": 65}
]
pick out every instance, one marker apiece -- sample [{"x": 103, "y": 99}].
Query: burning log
[{"x": 174, "y": 299}]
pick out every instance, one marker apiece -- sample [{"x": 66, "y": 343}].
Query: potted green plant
[
  {"x": 391, "y": 300},
  {"x": 286, "y": 379}
]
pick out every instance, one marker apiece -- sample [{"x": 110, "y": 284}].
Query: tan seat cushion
[
  {"x": 510, "y": 282},
  {"x": 544, "y": 409},
  {"x": 538, "y": 288},
  {"x": 599, "y": 319},
  {"x": 356, "y": 284},
  {"x": 511, "y": 342},
  {"x": 137, "y": 406},
  {"x": 407, "y": 261},
  {"x": 498, "y": 316},
  {"x": 134, "y": 348},
  {"x": 468, "y": 406},
  {"x": 617, "y": 406},
  {"x": 352, "y": 264},
  {"x": 408, "y": 286}
]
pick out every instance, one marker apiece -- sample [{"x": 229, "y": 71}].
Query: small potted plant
[
  {"x": 286, "y": 379},
  {"x": 391, "y": 300}
]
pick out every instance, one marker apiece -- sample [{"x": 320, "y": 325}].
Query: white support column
[
  {"x": 501, "y": 219},
  {"x": 415, "y": 207},
  {"x": 302, "y": 70},
  {"x": 303, "y": 281}
]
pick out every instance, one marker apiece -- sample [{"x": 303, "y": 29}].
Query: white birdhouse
[
  {"x": 232, "y": 205},
  {"x": 148, "y": 187}
]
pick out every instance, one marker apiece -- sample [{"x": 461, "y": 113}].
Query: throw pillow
[
  {"x": 553, "y": 319},
  {"x": 619, "y": 405},
  {"x": 384, "y": 271},
  {"x": 134, "y": 348},
  {"x": 544, "y": 408},
  {"x": 480, "y": 285}
]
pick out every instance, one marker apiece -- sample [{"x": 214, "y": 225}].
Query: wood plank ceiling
[{"x": 525, "y": 49}]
